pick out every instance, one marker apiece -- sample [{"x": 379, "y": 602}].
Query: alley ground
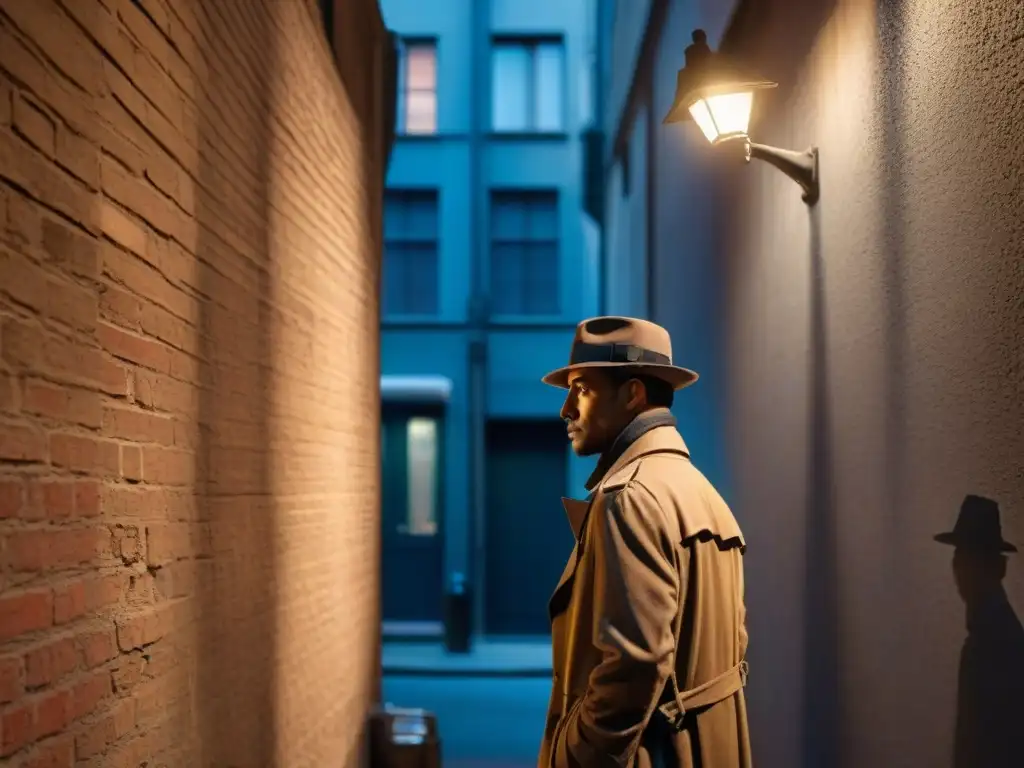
[{"x": 490, "y": 704}]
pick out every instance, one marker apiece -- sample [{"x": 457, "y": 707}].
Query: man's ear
[{"x": 637, "y": 394}]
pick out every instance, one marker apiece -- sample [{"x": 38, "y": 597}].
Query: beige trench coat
[{"x": 658, "y": 553}]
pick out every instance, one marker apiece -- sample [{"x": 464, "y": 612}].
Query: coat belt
[{"x": 710, "y": 693}]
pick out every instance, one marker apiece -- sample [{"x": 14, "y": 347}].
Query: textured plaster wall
[{"x": 875, "y": 364}]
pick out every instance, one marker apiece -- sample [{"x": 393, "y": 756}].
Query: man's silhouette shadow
[{"x": 990, "y": 695}]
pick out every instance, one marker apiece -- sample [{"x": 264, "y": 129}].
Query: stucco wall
[{"x": 875, "y": 364}]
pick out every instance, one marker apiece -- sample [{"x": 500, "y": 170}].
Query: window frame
[
  {"x": 532, "y": 44},
  {"x": 407, "y": 195},
  {"x": 527, "y": 195},
  {"x": 405, "y": 43}
]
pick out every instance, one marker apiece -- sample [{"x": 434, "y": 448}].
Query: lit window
[
  {"x": 421, "y": 441},
  {"x": 418, "y": 88}
]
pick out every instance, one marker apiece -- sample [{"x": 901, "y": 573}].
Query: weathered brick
[
  {"x": 6, "y": 96},
  {"x": 53, "y": 498},
  {"x": 145, "y": 275},
  {"x": 87, "y": 498},
  {"x": 22, "y": 443},
  {"x": 168, "y": 466},
  {"x": 48, "y": 550},
  {"x": 33, "y": 124},
  {"x": 45, "y": 181},
  {"x": 69, "y": 602},
  {"x": 85, "y": 454},
  {"x": 53, "y": 711},
  {"x": 69, "y": 248},
  {"x": 134, "y": 424},
  {"x": 49, "y": 28},
  {"x": 12, "y": 497},
  {"x": 139, "y": 630},
  {"x": 89, "y": 693},
  {"x": 22, "y": 280},
  {"x": 69, "y": 404},
  {"x": 12, "y": 678},
  {"x": 97, "y": 647},
  {"x": 72, "y": 305},
  {"x": 123, "y": 229},
  {"x": 78, "y": 156},
  {"x": 16, "y": 729},
  {"x": 49, "y": 663},
  {"x": 53, "y": 753},
  {"x": 132, "y": 347},
  {"x": 25, "y": 612}
]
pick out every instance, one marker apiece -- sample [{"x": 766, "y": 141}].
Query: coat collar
[{"x": 664, "y": 439}]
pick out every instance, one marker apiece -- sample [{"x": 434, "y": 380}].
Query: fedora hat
[
  {"x": 977, "y": 527},
  {"x": 622, "y": 342}
]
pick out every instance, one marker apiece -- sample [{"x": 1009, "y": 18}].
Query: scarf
[{"x": 639, "y": 426}]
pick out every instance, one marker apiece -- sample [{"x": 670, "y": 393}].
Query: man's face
[{"x": 596, "y": 410}]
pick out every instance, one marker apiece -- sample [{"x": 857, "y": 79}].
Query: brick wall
[{"x": 188, "y": 385}]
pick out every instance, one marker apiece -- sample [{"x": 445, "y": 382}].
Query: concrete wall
[
  {"x": 188, "y": 383},
  {"x": 875, "y": 354}
]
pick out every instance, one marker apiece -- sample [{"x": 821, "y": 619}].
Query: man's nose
[{"x": 568, "y": 411}]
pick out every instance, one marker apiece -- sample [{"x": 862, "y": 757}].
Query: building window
[
  {"x": 524, "y": 253},
  {"x": 410, "y": 252},
  {"x": 527, "y": 86},
  {"x": 417, "y": 87},
  {"x": 421, "y": 442}
]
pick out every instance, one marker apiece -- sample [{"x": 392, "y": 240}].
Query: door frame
[{"x": 426, "y": 395}]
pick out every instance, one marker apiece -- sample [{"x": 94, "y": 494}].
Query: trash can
[
  {"x": 404, "y": 738},
  {"x": 457, "y": 614}
]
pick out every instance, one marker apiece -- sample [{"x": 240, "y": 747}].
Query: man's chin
[{"x": 582, "y": 449}]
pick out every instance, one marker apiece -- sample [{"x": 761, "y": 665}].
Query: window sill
[
  {"x": 430, "y": 137},
  {"x": 531, "y": 320},
  {"x": 528, "y": 136}
]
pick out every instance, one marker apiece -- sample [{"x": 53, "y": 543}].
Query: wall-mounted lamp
[{"x": 718, "y": 96}]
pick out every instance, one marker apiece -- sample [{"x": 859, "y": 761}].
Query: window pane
[
  {"x": 507, "y": 278},
  {"x": 540, "y": 284},
  {"x": 421, "y": 68},
  {"x": 394, "y": 217},
  {"x": 510, "y": 88},
  {"x": 544, "y": 218},
  {"x": 410, "y": 279},
  {"x": 508, "y": 219},
  {"x": 421, "y": 219},
  {"x": 421, "y": 437},
  {"x": 548, "y": 81},
  {"x": 420, "y": 112}
]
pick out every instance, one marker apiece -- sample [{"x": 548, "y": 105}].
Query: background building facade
[
  {"x": 861, "y": 360},
  {"x": 489, "y": 263}
]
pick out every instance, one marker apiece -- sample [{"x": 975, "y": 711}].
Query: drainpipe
[{"x": 478, "y": 305}]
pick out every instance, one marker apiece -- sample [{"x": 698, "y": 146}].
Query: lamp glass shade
[{"x": 724, "y": 115}]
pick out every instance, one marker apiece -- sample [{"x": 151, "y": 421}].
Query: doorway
[
  {"x": 412, "y": 518},
  {"x": 527, "y": 539}
]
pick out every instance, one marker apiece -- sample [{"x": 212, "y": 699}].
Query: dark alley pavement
[{"x": 484, "y": 722}]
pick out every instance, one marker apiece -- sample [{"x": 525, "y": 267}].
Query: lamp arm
[{"x": 801, "y": 167}]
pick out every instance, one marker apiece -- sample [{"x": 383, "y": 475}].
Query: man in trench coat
[{"x": 648, "y": 618}]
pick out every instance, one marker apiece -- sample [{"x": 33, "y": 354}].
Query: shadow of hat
[{"x": 977, "y": 527}]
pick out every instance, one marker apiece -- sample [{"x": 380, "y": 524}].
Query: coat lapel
[
  {"x": 576, "y": 510},
  {"x": 658, "y": 440}
]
